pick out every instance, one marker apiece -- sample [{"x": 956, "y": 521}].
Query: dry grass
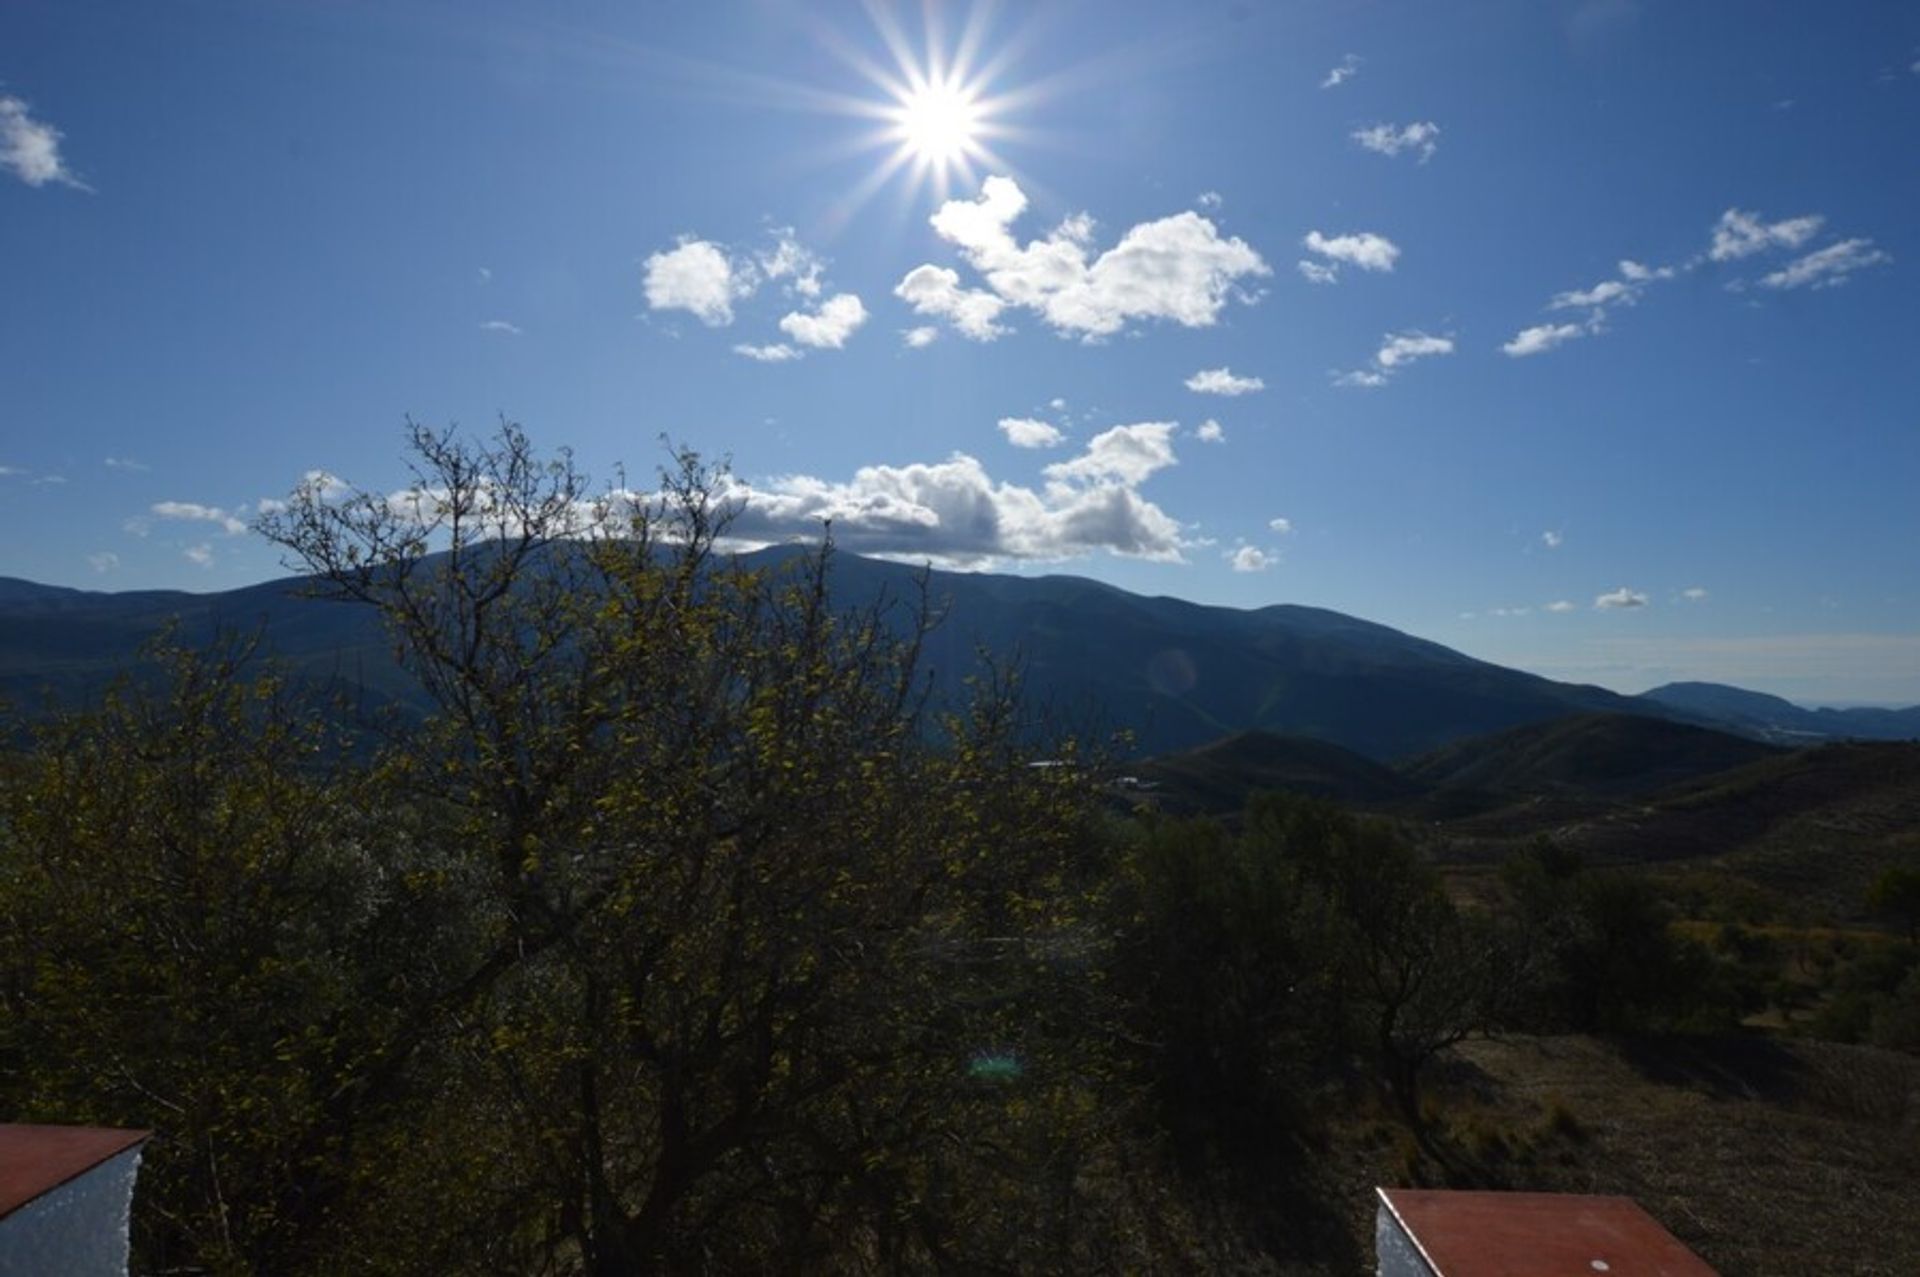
[{"x": 1766, "y": 1157}]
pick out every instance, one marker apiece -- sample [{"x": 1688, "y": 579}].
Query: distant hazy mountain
[
  {"x": 1772, "y": 718},
  {"x": 1177, "y": 674}
]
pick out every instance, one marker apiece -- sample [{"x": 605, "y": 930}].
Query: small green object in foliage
[{"x": 995, "y": 1067}]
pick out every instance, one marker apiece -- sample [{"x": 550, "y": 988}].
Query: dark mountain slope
[
  {"x": 1216, "y": 779},
  {"x": 1176, "y": 674},
  {"x": 1600, "y": 754}
]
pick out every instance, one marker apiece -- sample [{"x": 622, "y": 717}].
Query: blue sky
[{"x": 1577, "y": 336}]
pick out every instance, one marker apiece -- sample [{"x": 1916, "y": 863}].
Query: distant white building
[
  {"x": 1429, "y": 1233},
  {"x": 66, "y": 1193}
]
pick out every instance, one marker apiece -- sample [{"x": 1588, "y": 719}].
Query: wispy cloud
[
  {"x": 1741, "y": 234},
  {"x": 1552, "y": 539},
  {"x": 1562, "y": 605},
  {"x": 125, "y": 463},
  {"x": 104, "y": 562},
  {"x": 30, "y": 148},
  {"x": 1222, "y": 381},
  {"x": 789, "y": 260},
  {"x": 200, "y": 555},
  {"x": 1397, "y": 350},
  {"x": 1392, "y": 139},
  {"x": 1541, "y": 338},
  {"x": 1339, "y": 75},
  {"x": 500, "y": 326},
  {"x": 1282, "y": 526},
  {"x": 773, "y": 353},
  {"x": 1178, "y": 269},
  {"x": 1694, "y": 594},
  {"x": 1827, "y": 267},
  {"x": 1598, "y": 301}
]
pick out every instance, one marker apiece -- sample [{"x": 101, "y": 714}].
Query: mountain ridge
[{"x": 1174, "y": 673}]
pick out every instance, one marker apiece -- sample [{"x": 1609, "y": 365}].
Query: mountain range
[{"x": 1176, "y": 674}]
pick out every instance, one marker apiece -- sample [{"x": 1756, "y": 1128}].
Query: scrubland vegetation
[{"x": 689, "y": 934}]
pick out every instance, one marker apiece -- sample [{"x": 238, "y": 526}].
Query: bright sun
[
  {"x": 938, "y": 123},
  {"x": 942, "y": 106}
]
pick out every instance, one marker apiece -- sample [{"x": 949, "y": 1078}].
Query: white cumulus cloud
[
  {"x": 30, "y": 148},
  {"x": 200, "y": 555},
  {"x": 1177, "y": 268},
  {"x": 1210, "y": 431},
  {"x": 1222, "y": 381},
  {"x": 917, "y": 338},
  {"x": 194, "y": 512},
  {"x": 829, "y": 326},
  {"x": 1126, "y": 455},
  {"x": 1404, "y": 348},
  {"x": 1025, "y": 432},
  {"x": 699, "y": 277},
  {"x": 936, "y": 290},
  {"x": 1251, "y": 558},
  {"x": 1392, "y": 139},
  {"x": 1615, "y": 600},
  {"x": 954, "y": 513},
  {"x": 1282, "y": 526},
  {"x": 1363, "y": 249}
]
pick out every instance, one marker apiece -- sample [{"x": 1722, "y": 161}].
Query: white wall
[
  {"x": 76, "y": 1230},
  {"x": 1394, "y": 1250}
]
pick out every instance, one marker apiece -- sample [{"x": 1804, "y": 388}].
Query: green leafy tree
[
  {"x": 1413, "y": 977},
  {"x": 1896, "y": 892},
  {"x": 209, "y": 930},
  {"x": 747, "y": 911}
]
